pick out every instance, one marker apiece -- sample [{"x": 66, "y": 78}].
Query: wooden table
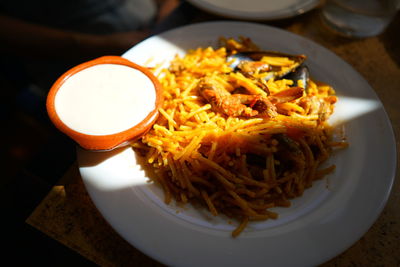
[{"x": 68, "y": 215}]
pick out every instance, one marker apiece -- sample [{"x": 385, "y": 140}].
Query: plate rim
[{"x": 301, "y": 8}]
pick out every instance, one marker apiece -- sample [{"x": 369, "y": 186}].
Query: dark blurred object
[
  {"x": 183, "y": 14},
  {"x": 39, "y": 40}
]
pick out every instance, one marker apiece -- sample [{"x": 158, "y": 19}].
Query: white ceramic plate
[
  {"x": 256, "y": 9},
  {"x": 331, "y": 215}
]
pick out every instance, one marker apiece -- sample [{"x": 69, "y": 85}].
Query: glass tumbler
[{"x": 359, "y": 18}]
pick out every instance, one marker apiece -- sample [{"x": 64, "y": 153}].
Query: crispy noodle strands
[{"x": 227, "y": 157}]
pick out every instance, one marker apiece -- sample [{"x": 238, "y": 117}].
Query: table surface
[{"x": 67, "y": 214}]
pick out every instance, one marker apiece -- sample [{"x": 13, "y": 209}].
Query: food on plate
[{"x": 241, "y": 130}]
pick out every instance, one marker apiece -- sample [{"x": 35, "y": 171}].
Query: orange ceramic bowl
[{"x": 111, "y": 141}]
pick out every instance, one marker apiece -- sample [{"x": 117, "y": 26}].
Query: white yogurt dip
[{"x": 105, "y": 99}]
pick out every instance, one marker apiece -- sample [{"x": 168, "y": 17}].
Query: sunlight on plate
[
  {"x": 350, "y": 108},
  {"x": 114, "y": 170}
]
